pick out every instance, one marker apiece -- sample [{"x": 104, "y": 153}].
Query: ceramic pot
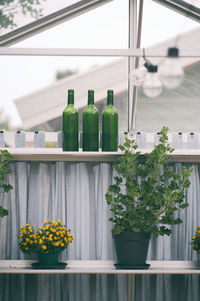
[{"x": 131, "y": 249}]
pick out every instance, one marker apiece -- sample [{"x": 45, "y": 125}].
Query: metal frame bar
[
  {"x": 132, "y": 43},
  {"x": 182, "y": 7},
  {"x": 49, "y": 21},
  {"x": 131, "y": 52},
  {"x": 136, "y": 89}
]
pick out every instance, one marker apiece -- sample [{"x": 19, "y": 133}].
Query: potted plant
[
  {"x": 145, "y": 196},
  {"x": 48, "y": 241},
  {"x": 195, "y": 242},
  {"x": 4, "y": 171}
]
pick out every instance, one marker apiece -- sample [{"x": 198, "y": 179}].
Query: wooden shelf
[{"x": 101, "y": 267}]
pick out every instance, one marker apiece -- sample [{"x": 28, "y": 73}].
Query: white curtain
[{"x": 75, "y": 193}]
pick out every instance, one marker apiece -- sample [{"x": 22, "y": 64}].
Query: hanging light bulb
[
  {"x": 137, "y": 76},
  {"x": 152, "y": 86},
  {"x": 170, "y": 70}
]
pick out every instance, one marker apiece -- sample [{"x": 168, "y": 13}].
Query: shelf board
[
  {"x": 57, "y": 154},
  {"x": 101, "y": 267}
]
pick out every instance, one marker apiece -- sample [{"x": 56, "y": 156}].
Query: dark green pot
[
  {"x": 48, "y": 259},
  {"x": 131, "y": 248}
]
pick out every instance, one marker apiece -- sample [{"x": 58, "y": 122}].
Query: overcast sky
[{"x": 105, "y": 27}]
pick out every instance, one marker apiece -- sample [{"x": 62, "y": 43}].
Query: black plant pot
[{"x": 131, "y": 249}]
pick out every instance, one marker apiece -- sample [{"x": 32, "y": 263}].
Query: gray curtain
[
  {"x": 75, "y": 193},
  {"x": 175, "y": 247}
]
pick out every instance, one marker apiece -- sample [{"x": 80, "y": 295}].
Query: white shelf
[
  {"x": 57, "y": 154},
  {"x": 101, "y": 267}
]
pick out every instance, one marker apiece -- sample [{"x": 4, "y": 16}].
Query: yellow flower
[
  {"x": 50, "y": 238},
  {"x": 44, "y": 247},
  {"x": 47, "y": 227},
  {"x": 62, "y": 244},
  {"x": 26, "y": 248},
  {"x": 194, "y": 237},
  {"x": 55, "y": 224},
  {"x": 24, "y": 231},
  {"x": 43, "y": 237},
  {"x": 69, "y": 239},
  {"x": 35, "y": 241},
  {"x": 31, "y": 242},
  {"x": 68, "y": 233},
  {"x": 47, "y": 233},
  {"x": 27, "y": 225},
  {"x": 22, "y": 227},
  {"x": 40, "y": 231},
  {"x": 40, "y": 241},
  {"x": 21, "y": 235},
  {"x": 34, "y": 236},
  {"x": 27, "y": 239},
  {"x": 46, "y": 222},
  {"x": 59, "y": 221},
  {"x": 57, "y": 233}
]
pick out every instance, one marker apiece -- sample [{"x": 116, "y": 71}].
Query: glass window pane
[
  {"x": 43, "y": 8},
  {"x": 103, "y": 27}
]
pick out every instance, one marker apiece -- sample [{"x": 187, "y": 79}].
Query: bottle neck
[
  {"x": 70, "y": 97},
  {"x": 90, "y": 97},
  {"x": 110, "y": 98}
]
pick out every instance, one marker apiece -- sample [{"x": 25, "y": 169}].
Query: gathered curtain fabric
[{"x": 75, "y": 194}]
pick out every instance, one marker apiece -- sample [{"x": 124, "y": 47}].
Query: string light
[
  {"x": 170, "y": 70},
  {"x": 152, "y": 86}
]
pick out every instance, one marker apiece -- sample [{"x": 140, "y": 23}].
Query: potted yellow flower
[
  {"x": 48, "y": 241},
  {"x": 195, "y": 242}
]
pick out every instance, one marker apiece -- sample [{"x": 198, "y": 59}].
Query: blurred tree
[
  {"x": 10, "y": 8},
  {"x": 65, "y": 73}
]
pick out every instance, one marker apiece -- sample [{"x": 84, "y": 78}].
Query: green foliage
[
  {"x": 4, "y": 171},
  {"x": 10, "y": 8},
  {"x": 65, "y": 73},
  {"x": 147, "y": 192}
]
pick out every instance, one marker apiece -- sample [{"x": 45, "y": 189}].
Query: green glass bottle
[
  {"x": 110, "y": 125},
  {"x": 90, "y": 125},
  {"x": 70, "y": 125}
]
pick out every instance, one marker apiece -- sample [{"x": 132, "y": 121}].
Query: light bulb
[
  {"x": 170, "y": 70},
  {"x": 137, "y": 76},
  {"x": 152, "y": 86}
]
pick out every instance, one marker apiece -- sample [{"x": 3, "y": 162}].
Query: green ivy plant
[
  {"x": 147, "y": 192},
  {"x": 10, "y": 10},
  {"x": 4, "y": 171}
]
